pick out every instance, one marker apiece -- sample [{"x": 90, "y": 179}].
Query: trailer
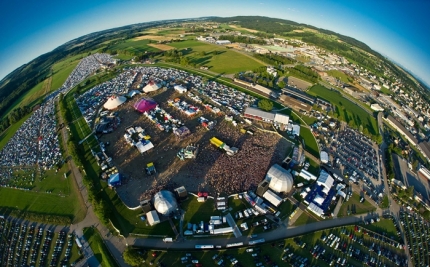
[{"x": 221, "y": 145}]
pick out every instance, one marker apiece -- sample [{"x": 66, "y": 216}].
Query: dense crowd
[
  {"x": 225, "y": 174},
  {"x": 36, "y": 141}
]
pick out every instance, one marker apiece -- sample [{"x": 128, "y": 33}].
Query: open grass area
[
  {"x": 59, "y": 76},
  {"x": 6, "y": 135},
  {"x": 99, "y": 248},
  {"x": 353, "y": 205},
  {"x": 131, "y": 45},
  {"x": 304, "y": 219},
  {"x": 386, "y": 91},
  {"x": 40, "y": 203},
  {"x": 345, "y": 109},
  {"x": 198, "y": 211},
  {"x": 224, "y": 60},
  {"x": 384, "y": 226},
  {"x": 310, "y": 143},
  {"x": 339, "y": 75}
]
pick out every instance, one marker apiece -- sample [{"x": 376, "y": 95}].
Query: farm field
[
  {"x": 60, "y": 75},
  {"x": 226, "y": 62},
  {"x": 346, "y": 109},
  {"x": 6, "y": 135},
  {"x": 133, "y": 46}
]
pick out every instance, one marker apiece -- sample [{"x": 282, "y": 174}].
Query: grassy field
[
  {"x": 304, "y": 219},
  {"x": 339, "y": 75},
  {"x": 60, "y": 74},
  {"x": 99, "y": 248},
  {"x": 131, "y": 45},
  {"x": 198, "y": 211},
  {"x": 386, "y": 91},
  {"x": 310, "y": 143},
  {"x": 384, "y": 225},
  {"x": 353, "y": 204},
  {"x": 346, "y": 109},
  {"x": 6, "y": 135},
  {"x": 41, "y": 203},
  {"x": 226, "y": 61}
]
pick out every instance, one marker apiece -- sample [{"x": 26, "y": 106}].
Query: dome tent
[
  {"x": 145, "y": 104},
  {"x": 114, "y": 101},
  {"x": 165, "y": 202},
  {"x": 281, "y": 181}
]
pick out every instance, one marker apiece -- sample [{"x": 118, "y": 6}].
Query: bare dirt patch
[
  {"x": 212, "y": 170},
  {"x": 162, "y": 47},
  {"x": 244, "y": 29},
  {"x": 153, "y": 37}
]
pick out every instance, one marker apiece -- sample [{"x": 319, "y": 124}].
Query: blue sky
[{"x": 397, "y": 29}]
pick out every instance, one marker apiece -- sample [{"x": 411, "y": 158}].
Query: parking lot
[
  {"x": 353, "y": 245},
  {"x": 354, "y": 156},
  {"x": 25, "y": 244},
  {"x": 417, "y": 235}
]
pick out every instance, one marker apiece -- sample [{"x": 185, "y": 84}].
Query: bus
[
  {"x": 204, "y": 246},
  {"x": 234, "y": 245},
  {"x": 253, "y": 242}
]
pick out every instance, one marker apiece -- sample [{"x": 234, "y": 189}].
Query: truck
[
  {"x": 167, "y": 240},
  {"x": 221, "y": 145}
]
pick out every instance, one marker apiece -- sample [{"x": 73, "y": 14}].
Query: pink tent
[{"x": 145, "y": 104}]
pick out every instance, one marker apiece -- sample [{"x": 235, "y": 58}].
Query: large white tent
[
  {"x": 165, "y": 202},
  {"x": 114, "y": 101},
  {"x": 325, "y": 180},
  {"x": 324, "y": 157},
  {"x": 150, "y": 87},
  {"x": 280, "y": 179}
]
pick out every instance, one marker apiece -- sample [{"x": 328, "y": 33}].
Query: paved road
[
  {"x": 279, "y": 233},
  {"x": 394, "y": 207}
]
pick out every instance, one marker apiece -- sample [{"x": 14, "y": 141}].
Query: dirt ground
[
  {"x": 241, "y": 28},
  {"x": 212, "y": 171},
  {"x": 154, "y": 37},
  {"x": 162, "y": 47}
]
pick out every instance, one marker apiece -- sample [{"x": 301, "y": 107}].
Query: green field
[
  {"x": 130, "y": 45},
  {"x": 353, "y": 204},
  {"x": 6, "y": 135},
  {"x": 339, "y": 75},
  {"x": 42, "y": 202},
  {"x": 99, "y": 248},
  {"x": 345, "y": 109},
  {"x": 384, "y": 225},
  {"x": 310, "y": 143},
  {"x": 227, "y": 61},
  {"x": 60, "y": 75},
  {"x": 304, "y": 218}
]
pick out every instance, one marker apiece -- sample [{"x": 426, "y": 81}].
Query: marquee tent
[
  {"x": 151, "y": 86},
  {"x": 114, "y": 180},
  {"x": 114, "y": 101},
  {"x": 144, "y": 105}
]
